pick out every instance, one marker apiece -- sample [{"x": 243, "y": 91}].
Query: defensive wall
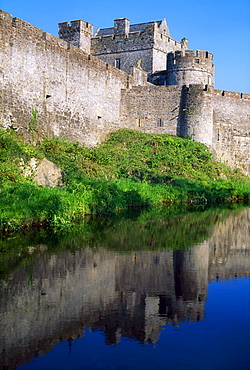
[
  {"x": 81, "y": 97},
  {"x": 76, "y": 95},
  {"x": 149, "y": 42},
  {"x": 231, "y": 128},
  {"x": 219, "y": 119}
]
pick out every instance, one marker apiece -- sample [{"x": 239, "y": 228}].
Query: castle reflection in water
[{"x": 131, "y": 294}]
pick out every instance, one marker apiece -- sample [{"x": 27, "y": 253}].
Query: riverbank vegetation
[
  {"x": 159, "y": 228},
  {"x": 129, "y": 169}
]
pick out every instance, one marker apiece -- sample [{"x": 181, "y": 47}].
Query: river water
[{"x": 169, "y": 291}]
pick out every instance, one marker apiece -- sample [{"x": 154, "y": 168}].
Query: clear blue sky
[{"x": 219, "y": 26}]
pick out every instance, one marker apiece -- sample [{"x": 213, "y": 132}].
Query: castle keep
[{"x": 86, "y": 84}]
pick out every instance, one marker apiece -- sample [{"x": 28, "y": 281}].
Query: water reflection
[{"x": 124, "y": 292}]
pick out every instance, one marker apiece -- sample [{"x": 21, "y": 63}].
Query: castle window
[
  {"x": 160, "y": 122},
  {"x": 197, "y": 60},
  {"x": 118, "y": 63}
]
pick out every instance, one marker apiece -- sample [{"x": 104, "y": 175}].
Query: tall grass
[{"x": 129, "y": 169}]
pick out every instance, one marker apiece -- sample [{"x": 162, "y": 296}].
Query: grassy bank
[{"x": 130, "y": 169}]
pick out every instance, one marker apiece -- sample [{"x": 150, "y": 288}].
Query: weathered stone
[
  {"x": 79, "y": 93},
  {"x": 48, "y": 174}
]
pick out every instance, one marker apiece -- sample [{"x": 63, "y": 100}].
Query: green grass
[{"x": 129, "y": 169}]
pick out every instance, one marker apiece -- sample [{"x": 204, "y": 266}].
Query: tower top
[
  {"x": 122, "y": 25},
  {"x": 163, "y": 27}
]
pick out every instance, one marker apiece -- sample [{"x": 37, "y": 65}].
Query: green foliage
[
  {"x": 11, "y": 154},
  {"x": 154, "y": 229},
  {"x": 33, "y": 123},
  {"x": 129, "y": 169}
]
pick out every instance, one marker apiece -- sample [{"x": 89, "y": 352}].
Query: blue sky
[{"x": 219, "y": 26}]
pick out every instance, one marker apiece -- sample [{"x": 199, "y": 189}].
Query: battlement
[
  {"x": 190, "y": 56},
  {"x": 232, "y": 94},
  {"x": 85, "y": 86},
  {"x": 123, "y": 26},
  {"x": 74, "y": 26},
  {"x": 125, "y": 44},
  {"x": 186, "y": 67},
  {"x": 77, "y": 33},
  {"x": 5, "y": 17},
  {"x": 120, "y": 36},
  {"x": 21, "y": 25},
  {"x": 199, "y": 89}
]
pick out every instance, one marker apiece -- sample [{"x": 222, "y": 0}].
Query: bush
[{"x": 129, "y": 169}]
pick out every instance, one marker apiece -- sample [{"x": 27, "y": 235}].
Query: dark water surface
[{"x": 170, "y": 291}]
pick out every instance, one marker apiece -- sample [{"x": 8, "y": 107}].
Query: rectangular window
[
  {"x": 118, "y": 63},
  {"x": 160, "y": 122}
]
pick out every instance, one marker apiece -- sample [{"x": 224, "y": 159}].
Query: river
[{"x": 169, "y": 291}]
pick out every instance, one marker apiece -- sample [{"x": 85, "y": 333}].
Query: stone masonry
[{"x": 86, "y": 84}]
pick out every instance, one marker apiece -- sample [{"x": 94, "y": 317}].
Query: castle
[{"x": 84, "y": 85}]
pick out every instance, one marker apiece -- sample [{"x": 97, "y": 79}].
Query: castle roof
[{"x": 135, "y": 28}]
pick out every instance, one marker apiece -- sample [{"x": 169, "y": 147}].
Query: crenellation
[
  {"x": 245, "y": 96},
  {"x": 185, "y": 67},
  {"x": 55, "y": 41},
  {"x": 149, "y": 42},
  {"x": 85, "y": 85},
  {"x": 24, "y": 26},
  {"x": 77, "y": 33},
  {"x": 232, "y": 94},
  {"x": 5, "y": 18}
]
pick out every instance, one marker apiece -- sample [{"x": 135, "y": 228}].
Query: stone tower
[
  {"x": 185, "y": 68},
  {"x": 125, "y": 44},
  {"x": 196, "y": 113},
  {"x": 77, "y": 33}
]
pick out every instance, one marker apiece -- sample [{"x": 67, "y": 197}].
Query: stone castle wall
[
  {"x": 221, "y": 120},
  {"x": 78, "y": 33},
  {"x": 231, "y": 128},
  {"x": 152, "y": 109},
  {"x": 148, "y": 42},
  {"x": 80, "y": 97},
  {"x": 186, "y": 67},
  {"x": 76, "y": 95},
  {"x": 196, "y": 114}
]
